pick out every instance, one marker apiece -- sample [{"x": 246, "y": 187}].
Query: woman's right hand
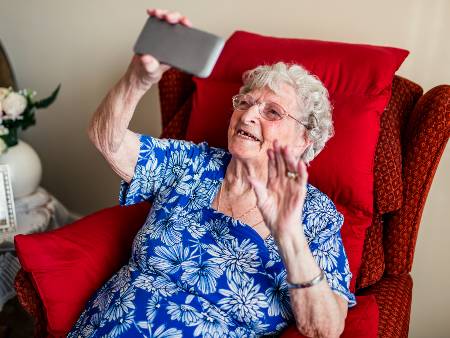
[{"x": 145, "y": 70}]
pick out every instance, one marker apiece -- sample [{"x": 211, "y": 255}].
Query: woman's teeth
[{"x": 247, "y": 135}]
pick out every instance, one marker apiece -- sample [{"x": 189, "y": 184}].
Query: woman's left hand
[{"x": 280, "y": 199}]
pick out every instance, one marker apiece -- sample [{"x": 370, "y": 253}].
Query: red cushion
[
  {"x": 359, "y": 80},
  {"x": 361, "y": 321},
  {"x": 69, "y": 264},
  {"x": 211, "y": 111}
]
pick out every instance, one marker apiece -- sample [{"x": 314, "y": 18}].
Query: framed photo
[{"x": 7, "y": 210}]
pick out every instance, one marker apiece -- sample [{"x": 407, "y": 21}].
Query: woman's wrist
[
  {"x": 291, "y": 246},
  {"x": 127, "y": 93},
  {"x": 296, "y": 255},
  {"x": 288, "y": 230},
  {"x": 134, "y": 85}
]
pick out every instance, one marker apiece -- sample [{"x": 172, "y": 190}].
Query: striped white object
[{"x": 9, "y": 266}]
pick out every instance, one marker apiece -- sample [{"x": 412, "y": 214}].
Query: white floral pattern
[{"x": 195, "y": 272}]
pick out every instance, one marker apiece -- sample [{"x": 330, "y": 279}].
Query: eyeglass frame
[{"x": 283, "y": 111}]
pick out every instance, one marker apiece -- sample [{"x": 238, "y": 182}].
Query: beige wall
[{"x": 86, "y": 46}]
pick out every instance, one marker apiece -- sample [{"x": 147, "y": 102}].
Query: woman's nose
[{"x": 252, "y": 114}]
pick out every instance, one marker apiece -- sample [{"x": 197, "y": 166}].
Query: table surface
[{"x": 35, "y": 213}]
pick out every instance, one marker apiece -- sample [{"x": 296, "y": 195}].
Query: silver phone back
[{"x": 188, "y": 49}]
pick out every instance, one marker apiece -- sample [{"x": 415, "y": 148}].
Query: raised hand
[
  {"x": 280, "y": 199},
  {"x": 170, "y": 17},
  {"x": 145, "y": 70}
]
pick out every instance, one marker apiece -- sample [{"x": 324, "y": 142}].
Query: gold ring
[{"x": 291, "y": 174}]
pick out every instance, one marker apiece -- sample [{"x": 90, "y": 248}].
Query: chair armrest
[
  {"x": 67, "y": 265},
  {"x": 393, "y": 295},
  {"x": 424, "y": 140},
  {"x": 30, "y": 301}
]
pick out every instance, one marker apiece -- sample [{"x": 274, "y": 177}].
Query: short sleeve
[
  {"x": 322, "y": 228},
  {"x": 160, "y": 163}
]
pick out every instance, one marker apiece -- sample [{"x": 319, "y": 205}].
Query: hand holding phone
[{"x": 144, "y": 69}]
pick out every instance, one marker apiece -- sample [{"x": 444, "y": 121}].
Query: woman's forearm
[
  {"x": 110, "y": 121},
  {"x": 316, "y": 309}
]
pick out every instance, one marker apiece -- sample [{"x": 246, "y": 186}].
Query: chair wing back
[
  {"x": 388, "y": 180},
  {"x": 175, "y": 93},
  {"x": 425, "y": 135}
]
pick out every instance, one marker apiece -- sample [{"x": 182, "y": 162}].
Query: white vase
[{"x": 25, "y": 168}]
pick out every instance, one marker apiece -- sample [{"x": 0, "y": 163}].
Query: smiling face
[{"x": 250, "y": 135}]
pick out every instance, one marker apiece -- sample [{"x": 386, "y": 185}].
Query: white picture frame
[{"x": 7, "y": 209}]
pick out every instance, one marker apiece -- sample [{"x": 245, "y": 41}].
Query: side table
[{"x": 34, "y": 213}]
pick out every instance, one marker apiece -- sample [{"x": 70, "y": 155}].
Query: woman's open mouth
[{"x": 248, "y": 136}]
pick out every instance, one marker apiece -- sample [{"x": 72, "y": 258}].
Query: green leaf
[
  {"x": 44, "y": 103},
  {"x": 11, "y": 138}
]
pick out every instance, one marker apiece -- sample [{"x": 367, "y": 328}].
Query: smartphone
[{"x": 188, "y": 49}]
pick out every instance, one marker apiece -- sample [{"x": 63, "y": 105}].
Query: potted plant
[{"x": 17, "y": 112}]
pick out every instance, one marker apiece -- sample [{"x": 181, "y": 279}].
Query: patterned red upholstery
[
  {"x": 176, "y": 88},
  {"x": 425, "y": 136},
  {"x": 409, "y": 149},
  {"x": 393, "y": 295},
  {"x": 31, "y": 302},
  {"x": 388, "y": 183}
]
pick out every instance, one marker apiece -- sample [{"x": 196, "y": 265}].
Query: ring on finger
[{"x": 291, "y": 174}]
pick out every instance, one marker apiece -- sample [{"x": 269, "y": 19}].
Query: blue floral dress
[{"x": 195, "y": 272}]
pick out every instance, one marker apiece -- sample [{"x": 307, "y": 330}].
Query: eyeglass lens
[{"x": 271, "y": 111}]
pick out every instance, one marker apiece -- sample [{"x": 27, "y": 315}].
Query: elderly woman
[{"x": 236, "y": 244}]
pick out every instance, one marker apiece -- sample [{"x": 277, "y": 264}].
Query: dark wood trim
[{"x": 7, "y": 77}]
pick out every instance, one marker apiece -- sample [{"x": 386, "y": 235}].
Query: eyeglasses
[{"x": 270, "y": 111}]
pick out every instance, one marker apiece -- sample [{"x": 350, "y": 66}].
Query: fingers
[
  {"x": 279, "y": 160},
  {"x": 259, "y": 188},
  {"x": 164, "y": 67},
  {"x": 303, "y": 172},
  {"x": 156, "y": 12},
  {"x": 150, "y": 63},
  {"x": 170, "y": 17},
  {"x": 282, "y": 161},
  {"x": 271, "y": 165},
  {"x": 185, "y": 21},
  {"x": 290, "y": 162}
]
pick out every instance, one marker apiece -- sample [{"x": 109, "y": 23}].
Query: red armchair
[{"x": 421, "y": 122}]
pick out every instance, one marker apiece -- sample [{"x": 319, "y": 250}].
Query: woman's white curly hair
[{"x": 311, "y": 94}]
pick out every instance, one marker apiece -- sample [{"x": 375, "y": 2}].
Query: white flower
[
  {"x": 278, "y": 297},
  {"x": 14, "y": 105},
  {"x": 169, "y": 258},
  {"x": 3, "y": 93},
  {"x": 183, "y": 312},
  {"x": 212, "y": 323},
  {"x": 122, "y": 305},
  {"x": 243, "y": 300},
  {"x": 153, "y": 305},
  {"x": 237, "y": 259},
  {"x": 3, "y": 146},
  {"x": 203, "y": 275}
]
